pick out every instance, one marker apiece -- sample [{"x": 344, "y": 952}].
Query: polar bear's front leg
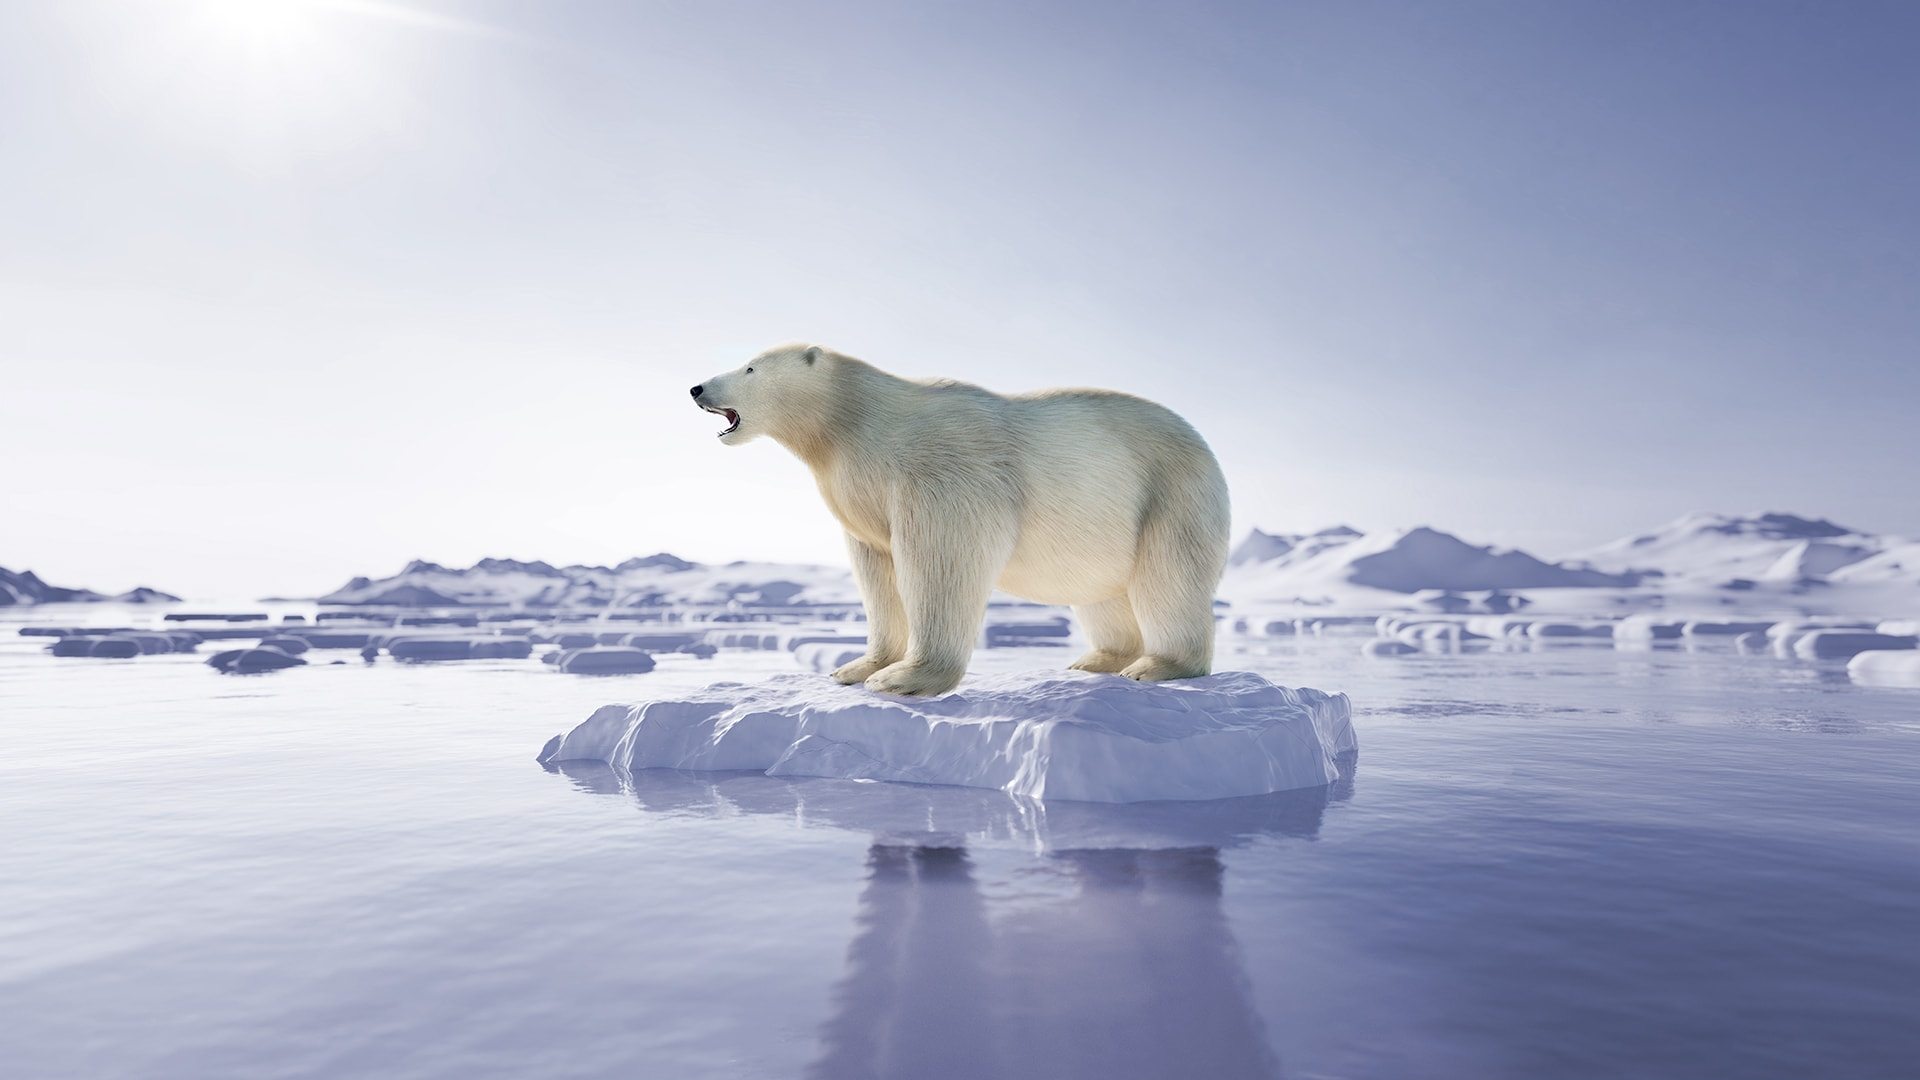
[
  {"x": 1112, "y": 631},
  {"x": 886, "y": 618},
  {"x": 946, "y": 576}
]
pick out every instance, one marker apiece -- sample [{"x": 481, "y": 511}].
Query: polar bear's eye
[{"x": 749, "y": 371}]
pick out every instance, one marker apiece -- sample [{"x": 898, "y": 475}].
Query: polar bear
[{"x": 1099, "y": 500}]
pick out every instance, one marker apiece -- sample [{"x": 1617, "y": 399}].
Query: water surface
[{"x": 1567, "y": 862}]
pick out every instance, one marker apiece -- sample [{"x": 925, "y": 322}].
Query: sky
[{"x": 292, "y": 291}]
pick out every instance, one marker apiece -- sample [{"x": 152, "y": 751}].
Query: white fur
[{"x": 1100, "y": 500}]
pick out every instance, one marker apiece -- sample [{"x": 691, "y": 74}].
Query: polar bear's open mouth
[{"x": 733, "y": 418}]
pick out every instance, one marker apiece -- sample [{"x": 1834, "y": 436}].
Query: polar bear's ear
[{"x": 812, "y": 354}]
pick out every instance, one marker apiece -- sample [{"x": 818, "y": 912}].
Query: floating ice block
[{"x": 1052, "y": 735}]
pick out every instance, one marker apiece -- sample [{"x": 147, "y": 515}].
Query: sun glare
[
  {"x": 288, "y": 25},
  {"x": 262, "y": 27},
  {"x": 273, "y": 84}
]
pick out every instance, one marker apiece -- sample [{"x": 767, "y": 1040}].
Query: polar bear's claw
[{"x": 1160, "y": 669}]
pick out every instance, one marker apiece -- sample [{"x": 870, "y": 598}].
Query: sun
[{"x": 272, "y": 86}]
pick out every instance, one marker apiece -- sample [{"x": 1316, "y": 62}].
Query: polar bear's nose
[{"x": 697, "y": 390}]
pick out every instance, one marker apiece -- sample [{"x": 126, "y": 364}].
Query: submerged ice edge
[{"x": 1053, "y": 735}]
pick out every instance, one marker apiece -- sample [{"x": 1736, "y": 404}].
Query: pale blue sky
[{"x": 292, "y": 291}]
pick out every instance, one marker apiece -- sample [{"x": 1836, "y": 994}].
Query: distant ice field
[{"x": 1550, "y": 859}]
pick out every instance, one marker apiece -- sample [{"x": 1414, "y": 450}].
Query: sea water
[{"x": 1562, "y": 861}]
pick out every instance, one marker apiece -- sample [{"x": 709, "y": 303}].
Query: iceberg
[{"x": 1044, "y": 735}]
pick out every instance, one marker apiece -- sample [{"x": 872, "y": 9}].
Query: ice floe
[
  {"x": 1642, "y": 629},
  {"x": 1052, "y": 735},
  {"x": 605, "y": 660},
  {"x": 825, "y": 656},
  {"x": 1841, "y": 644},
  {"x": 252, "y": 661},
  {"x": 1886, "y": 667},
  {"x": 117, "y": 644}
]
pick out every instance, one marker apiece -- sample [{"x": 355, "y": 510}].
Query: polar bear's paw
[
  {"x": 860, "y": 670},
  {"x": 1161, "y": 668},
  {"x": 1103, "y": 662},
  {"x": 915, "y": 680}
]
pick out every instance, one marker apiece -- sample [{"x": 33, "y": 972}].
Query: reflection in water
[
  {"x": 917, "y": 999},
  {"x": 1135, "y": 974},
  {"x": 1112, "y": 957}
]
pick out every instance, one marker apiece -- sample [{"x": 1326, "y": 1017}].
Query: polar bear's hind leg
[
  {"x": 1177, "y": 634},
  {"x": 1183, "y": 550}
]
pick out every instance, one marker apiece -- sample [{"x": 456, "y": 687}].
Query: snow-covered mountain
[
  {"x": 1281, "y": 568},
  {"x": 25, "y": 587},
  {"x": 1774, "y": 559},
  {"x": 656, "y": 579},
  {"x": 1771, "y": 558},
  {"x": 1721, "y": 550},
  {"x": 1261, "y": 547}
]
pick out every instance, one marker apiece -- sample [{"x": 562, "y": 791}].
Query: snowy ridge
[
  {"x": 25, "y": 587},
  {"x": 1052, "y": 735},
  {"x": 655, "y": 580},
  {"x": 1716, "y": 549},
  {"x": 1699, "y": 558},
  {"x": 1702, "y": 558},
  {"x": 1271, "y": 568},
  {"x": 1898, "y": 562},
  {"x": 1260, "y": 547}
]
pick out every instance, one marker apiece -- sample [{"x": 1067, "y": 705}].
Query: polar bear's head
[{"x": 777, "y": 393}]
